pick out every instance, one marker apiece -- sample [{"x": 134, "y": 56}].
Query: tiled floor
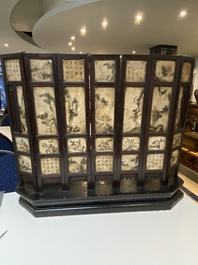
[{"x": 190, "y": 179}]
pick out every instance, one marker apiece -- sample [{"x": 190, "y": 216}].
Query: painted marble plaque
[
  {"x": 73, "y": 70},
  {"x": 76, "y": 145},
  {"x": 25, "y": 163},
  {"x": 186, "y": 71},
  {"x": 50, "y": 166},
  {"x": 45, "y": 108},
  {"x": 160, "y": 109},
  {"x": 104, "y": 163},
  {"x": 105, "y": 70},
  {"x": 104, "y": 144},
  {"x": 179, "y": 108},
  {"x": 133, "y": 105},
  {"x": 21, "y": 109},
  {"x": 13, "y": 71},
  {"x": 75, "y": 109},
  {"x": 157, "y": 143},
  {"x": 155, "y": 162},
  {"x": 174, "y": 157},
  {"x": 135, "y": 71},
  {"x": 104, "y": 109},
  {"x": 129, "y": 162},
  {"x": 177, "y": 140},
  {"x": 77, "y": 164},
  {"x": 22, "y": 144},
  {"x": 130, "y": 143},
  {"x": 41, "y": 70},
  {"x": 48, "y": 146},
  {"x": 165, "y": 71}
]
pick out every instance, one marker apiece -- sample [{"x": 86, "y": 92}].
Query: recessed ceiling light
[
  {"x": 72, "y": 37},
  {"x": 133, "y": 52},
  {"x": 83, "y": 31},
  {"x": 80, "y": 52},
  {"x": 138, "y": 18},
  {"x": 70, "y": 43},
  {"x": 104, "y": 23},
  {"x": 183, "y": 13},
  {"x": 6, "y": 45},
  {"x": 73, "y": 48}
]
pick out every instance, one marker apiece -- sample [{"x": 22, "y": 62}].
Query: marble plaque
[
  {"x": 186, "y": 71},
  {"x": 76, "y": 145},
  {"x": 104, "y": 163},
  {"x": 104, "y": 109},
  {"x": 13, "y": 71},
  {"x": 160, "y": 109},
  {"x": 73, "y": 70},
  {"x": 157, "y": 143},
  {"x": 133, "y": 105},
  {"x": 129, "y": 162},
  {"x": 77, "y": 164},
  {"x": 135, "y": 71},
  {"x": 174, "y": 157},
  {"x": 177, "y": 140},
  {"x": 41, "y": 70},
  {"x": 25, "y": 163},
  {"x": 75, "y": 109},
  {"x": 21, "y": 109},
  {"x": 22, "y": 144},
  {"x": 179, "y": 109},
  {"x": 155, "y": 162},
  {"x": 130, "y": 143},
  {"x": 44, "y": 100},
  {"x": 165, "y": 71},
  {"x": 48, "y": 146},
  {"x": 105, "y": 70},
  {"x": 50, "y": 166},
  {"x": 104, "y": 144}
]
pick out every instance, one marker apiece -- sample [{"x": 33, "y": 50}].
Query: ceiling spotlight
[
  {"x": 70, "y": 43},
  {"x": 183, "y": 13},
  {"x": 73, "y": 48},
  {"x": 83, "y": 31},
  {"x": 138, "y": 18},
  {"x": 6, "y": 45},
  {"x": 133, "y": 52},
  {"x": 72, "y": 37},
  {"x": 104, "y": 23}
]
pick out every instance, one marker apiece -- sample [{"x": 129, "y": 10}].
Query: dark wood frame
[{"x": 153, "y": 189}]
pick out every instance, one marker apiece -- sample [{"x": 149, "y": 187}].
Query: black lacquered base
[{"x": 43, "y": 205}]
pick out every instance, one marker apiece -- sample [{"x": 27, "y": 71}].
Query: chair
[
  {"x": 5, "y": 121},
  {"x": 8, "y": 171},
  {"x": 5, "y": 143}
]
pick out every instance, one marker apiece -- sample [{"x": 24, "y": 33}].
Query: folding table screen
[{"x": 97, "y": 133}]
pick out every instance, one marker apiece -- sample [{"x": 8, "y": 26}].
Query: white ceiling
[{"x": 53, "y": 22}]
